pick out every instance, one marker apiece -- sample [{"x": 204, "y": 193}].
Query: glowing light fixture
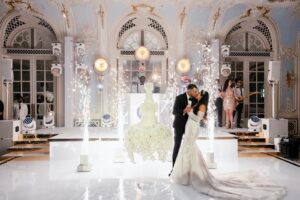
[
  {"x": 100, "y": 66},
  {"x": 142, "y": 53},
  {"x": 183, "y": 66}
]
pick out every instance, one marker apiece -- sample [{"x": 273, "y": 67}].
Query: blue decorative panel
[{"x": 287, "y": 89}]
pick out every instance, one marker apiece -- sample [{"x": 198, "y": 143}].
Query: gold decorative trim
[
  {"x": 13, "y": 4},
  {"x": 137, "y": 7}
]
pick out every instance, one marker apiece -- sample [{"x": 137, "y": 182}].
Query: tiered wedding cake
[{"x": 148, "y": 138}]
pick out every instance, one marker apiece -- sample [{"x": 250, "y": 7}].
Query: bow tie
[{"x": 191, "y": 98}]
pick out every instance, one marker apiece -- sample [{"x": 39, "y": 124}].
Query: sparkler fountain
[
  {"x": 84, "y": 107},
  {"x": 210, "y": 72}
]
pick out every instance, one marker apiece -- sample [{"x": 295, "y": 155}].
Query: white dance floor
[
  {"x": 59, "y": 180},
  {"x": 114, "y": 177}
]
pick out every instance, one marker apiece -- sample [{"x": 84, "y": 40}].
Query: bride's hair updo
[{"x": 202, "y": 101}]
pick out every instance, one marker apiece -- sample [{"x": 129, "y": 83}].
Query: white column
[{"x": 69, "y": 83}]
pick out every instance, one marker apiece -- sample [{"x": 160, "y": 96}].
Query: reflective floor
[{"x": 59, "y": 180}]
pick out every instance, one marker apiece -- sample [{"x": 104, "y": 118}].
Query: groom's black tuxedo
[{"x": 180, "y": 120}]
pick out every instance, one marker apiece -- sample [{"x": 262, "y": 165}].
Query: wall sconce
[
  {"x": 56, "y": 70},
  {"x": 80, "y": 49},
  {"x": 226, "y": 69},
  {"x": 81, "y": 70},
  {"x": 206, "y": 49},
  {"x": 225, "y": 50},
  {"x": 290, "y": 79},
  {"x": 183, "y": 66},
  {"x": 56, "y": 49},
  {"x": 142, "y": 53}
]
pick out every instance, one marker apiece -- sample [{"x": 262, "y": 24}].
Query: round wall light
[
  {"x": 183, "y": 66},
  {"x": 100, "y": 66},
  {"x": 142, "y": 53}
]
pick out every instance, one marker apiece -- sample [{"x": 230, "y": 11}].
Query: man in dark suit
[{"x": 182, "y": 106}]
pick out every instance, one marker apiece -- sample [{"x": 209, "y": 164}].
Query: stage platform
[
  {"x": 99, "y": 133},
  {"x": 105, "y": 145}
]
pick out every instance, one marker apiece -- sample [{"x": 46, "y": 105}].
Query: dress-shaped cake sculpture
[{"x": 148, "y": 138}]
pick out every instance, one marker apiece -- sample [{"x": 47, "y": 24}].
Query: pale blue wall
[
  {"x": 116, "y": 13},
  {"x": 288, "y": 25},
  {"x": 167, "y": 13},
  {"x": 85, "y": 15},
  {"x": 198, "y": 17},
  {"x": 233, "y": 12},
  {"x": 52, "y": 14}
]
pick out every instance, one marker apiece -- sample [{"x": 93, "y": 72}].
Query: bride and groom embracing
[{"x": 189, "y": 167}]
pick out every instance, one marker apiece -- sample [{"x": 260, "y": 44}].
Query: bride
[{"x": 190, "y": 168}]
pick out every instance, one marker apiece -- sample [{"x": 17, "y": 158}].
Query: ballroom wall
[{"x": 97, "y": 24}]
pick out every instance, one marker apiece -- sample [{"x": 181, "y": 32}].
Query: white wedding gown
[{"x": 190, "y": 169}]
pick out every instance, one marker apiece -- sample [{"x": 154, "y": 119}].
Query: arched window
[
  {"x": 27, "y": 40},
  {"x": 149, "y": 33},
  {"x": 251, "y": 46}
]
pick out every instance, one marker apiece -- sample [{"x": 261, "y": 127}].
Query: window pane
[
  {"x": 16, "y": 64},
  {"x": 40, "y": 76},
  {"x": 252, "y": 77},
  {"x": 127, "y": 77},
  {"x": 49, "y": 87},
  {"x": 48, "y": 64},
  {"x": 17, "y": 75},
  {"x": 26, "y": 97},
  {"x": 252, "y": 99},
  {"x": 231, "y": 76},
  {"x": 17, "y": 87},
  {"x": 40, "y": 109},
  {"x": 233, "y": 66},
  {"x": 252, "y": 87},
  {"x": 26, "y": 86},
  {"x": 49, "y": 76},
  {"x": 16, "y": 95},
  {"x": 252, "y": 66},
  {"x": 40, "y": 98},
  {"x": 260, "y": 86},
  {"x": 260, "y": 99},
  {"x": 260, "y": 76},
  {"x": 126, "y": 65},
  {"x": 39, "y": 65},
  {"x": 135, "y": 65},
  {"x": 260, "y": 66},
  {"x": 239, "y": 75},
  {"x": 260, "y": 108},
  {"x": 26, "y": 75},
  {"x": 25, "y": 65},
  {"x": 40, "y": 87},
  {"x": 239, "y": 66},
  {"x": 252, "y": 108}
]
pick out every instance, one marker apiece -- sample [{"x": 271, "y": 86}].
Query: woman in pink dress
[{"x": 229, "y": 102}]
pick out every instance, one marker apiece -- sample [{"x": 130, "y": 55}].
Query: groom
[{"x": 180, "y": 111}]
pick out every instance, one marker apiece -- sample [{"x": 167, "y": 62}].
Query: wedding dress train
[{"x": 190, "y": 169}]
